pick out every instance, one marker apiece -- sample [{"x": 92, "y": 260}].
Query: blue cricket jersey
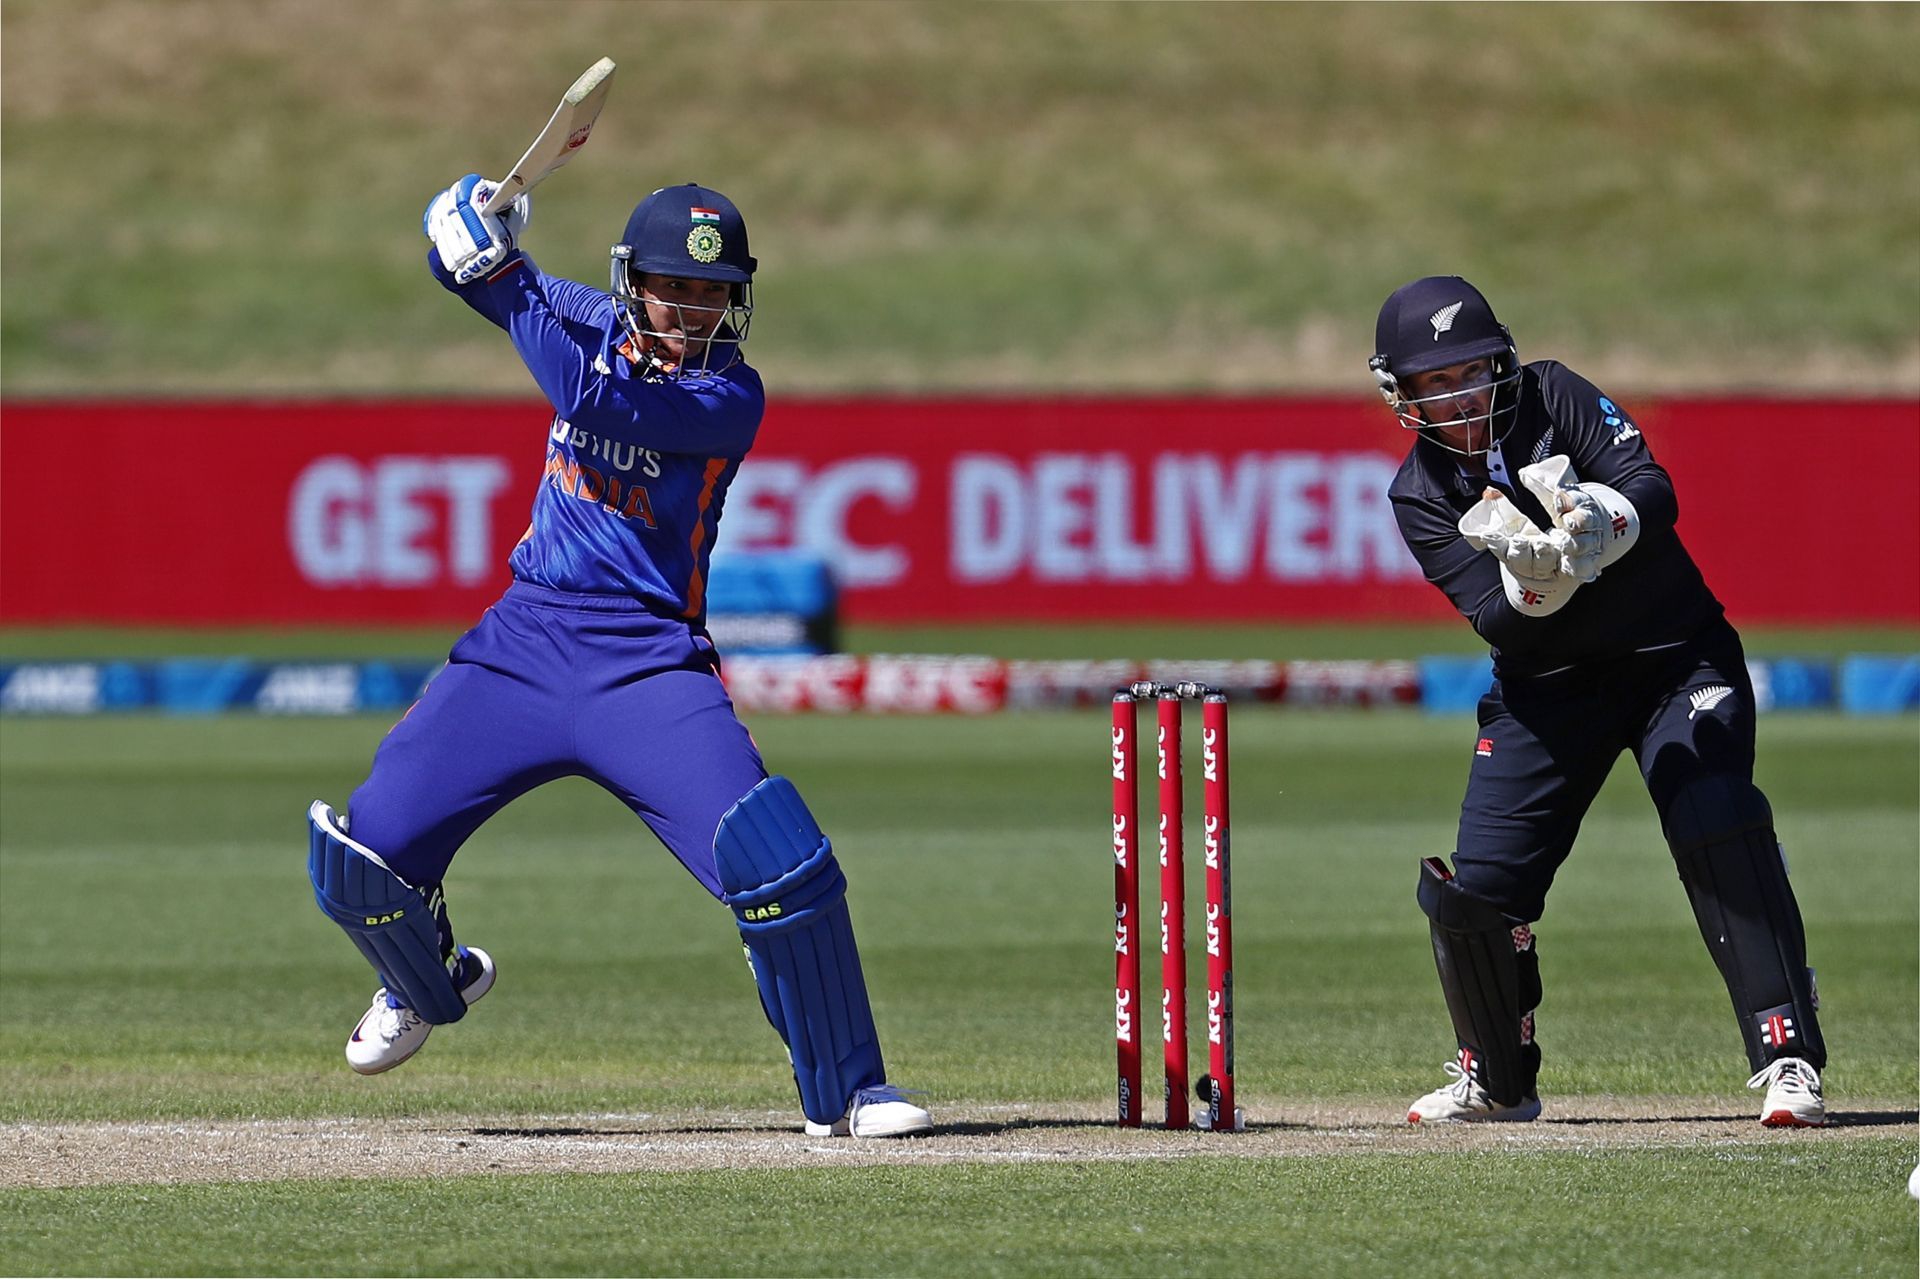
[{"x": 637, "y": 466}]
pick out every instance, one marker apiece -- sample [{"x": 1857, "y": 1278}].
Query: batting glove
[{"x": 471, "y": 243}]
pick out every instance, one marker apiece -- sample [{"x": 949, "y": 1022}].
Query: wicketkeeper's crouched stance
[
  {"x": 1525, "y": 486},
  {"x": 596, "y": 662}
]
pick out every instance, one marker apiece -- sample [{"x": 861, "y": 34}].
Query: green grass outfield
[{"x": 161, "y": 963}]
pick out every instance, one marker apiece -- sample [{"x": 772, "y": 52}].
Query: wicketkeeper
[
  {"x": 596, "y": 662},
  {"x": 1532, "y": 501}
]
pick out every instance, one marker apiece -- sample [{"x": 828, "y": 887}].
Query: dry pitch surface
[{"x": 45, "y": 1155}]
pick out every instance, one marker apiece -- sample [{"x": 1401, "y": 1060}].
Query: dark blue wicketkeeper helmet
[{"x": 1434, "y": 323}]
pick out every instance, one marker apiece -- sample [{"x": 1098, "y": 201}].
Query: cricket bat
[{"x": 565, "y": 133}]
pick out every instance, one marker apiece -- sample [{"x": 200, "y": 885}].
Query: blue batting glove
[{"x": 471, "y": 243}]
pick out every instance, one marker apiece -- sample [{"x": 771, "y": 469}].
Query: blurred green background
[{"x": 217, "y": 197}]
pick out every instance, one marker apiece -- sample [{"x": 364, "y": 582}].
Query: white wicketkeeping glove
[
  {"x": 471, "y": 243},
  {"x": 1531, "y": 562},
  {"x": 1600, "y": 522}
]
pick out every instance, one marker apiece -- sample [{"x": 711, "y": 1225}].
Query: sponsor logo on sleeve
[{"x": 1617, "y": 421}]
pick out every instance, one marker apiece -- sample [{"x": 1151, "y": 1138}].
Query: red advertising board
[{"x": 1095, "y": 509}]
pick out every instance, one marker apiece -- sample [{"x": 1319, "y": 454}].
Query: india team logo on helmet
[
  {"x": 689, "y": 231},
  {"x": 703, "y": 241}
]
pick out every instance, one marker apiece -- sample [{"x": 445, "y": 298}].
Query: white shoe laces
[
  {"x": 1462, "y": 1086},
  {"x": 389, "y": 1022},
  {"x": 1791, "y": 1074}
]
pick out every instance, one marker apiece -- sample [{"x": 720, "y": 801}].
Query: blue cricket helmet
[{"x": 689, "y": 231}]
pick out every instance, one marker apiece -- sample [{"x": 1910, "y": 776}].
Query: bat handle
[{"x": 502, "y": 196}]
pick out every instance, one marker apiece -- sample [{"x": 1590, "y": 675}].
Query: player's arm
[
  {"x": 1603, "y": 488},
  {"x": 474, "y": 255},
  {"x": 468, "y": 245},
  {"x": 474, "y": 295},
  {"x": 470, "y": 248},
  {"x": 573, "y": 302},
  {"x": 714, "y": 416},
  {"x": 1606, "y": 447}
]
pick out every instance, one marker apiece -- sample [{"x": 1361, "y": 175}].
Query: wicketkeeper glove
[
  {"x": 1600, "y": 522},
  {"x": 471, "y": 243},
  {"x": 1531, "y": 562}
]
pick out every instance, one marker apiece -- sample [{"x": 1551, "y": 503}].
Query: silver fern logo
[
  {"x": 1706, "y": 699},
  {"x": 1442, "y": 320},
  {"x": 1544, "y": 449}
]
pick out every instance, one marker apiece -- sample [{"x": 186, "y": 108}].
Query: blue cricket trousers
[{"x": 550, "y": 684}]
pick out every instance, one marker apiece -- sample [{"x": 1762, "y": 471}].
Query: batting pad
[
  {"x": 1720, "y": 829},
  {"x": 789, "y": 897},
  {"x": 387, "y": 918}
]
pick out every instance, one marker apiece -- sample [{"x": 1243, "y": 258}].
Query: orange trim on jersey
[
  {"x": 697, "y": 587},
  {"x": 507, "y": 270}
]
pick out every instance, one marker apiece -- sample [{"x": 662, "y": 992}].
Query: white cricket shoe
[
  {"x": 1793, "y": 1095},
  {"x": 388, "y": 1034},
  {"x": 879, "y": 1111},
  {"x": 1465, "y": 1101}
]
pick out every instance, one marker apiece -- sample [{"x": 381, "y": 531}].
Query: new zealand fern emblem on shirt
[{"x": 1706, "y": 699}]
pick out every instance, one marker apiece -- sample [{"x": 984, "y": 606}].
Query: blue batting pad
[
  {"x": 386, "y": 917},
  {"x": 790, "y": 899}
]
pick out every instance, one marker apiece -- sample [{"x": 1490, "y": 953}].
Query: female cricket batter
[
  {"x": 1532, "y": 501},
  {"x": 596, "y": 662}
]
